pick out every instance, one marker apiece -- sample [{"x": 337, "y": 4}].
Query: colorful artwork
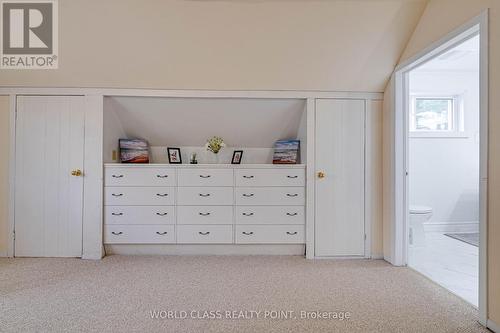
[
  {"x": 134, "y": 151},
  {"x": 286, "y": 152}
]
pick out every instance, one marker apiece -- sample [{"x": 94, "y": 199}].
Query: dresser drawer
[
  {"x": 199, "y": 196},
  {"x": 206, "y": 177},
  {"x": 270, "y": 215},
  {"x": 270, "y": 234},
  {"x": 139, "y": 234},
  {"x": 139, "y": 215},
  {"x": 205, "y": 215},
  {"x": 270, "y": 177},
  {"x": 270, "y": 196},
  {"x": 139, "y": 196},
  {"x": 139, "y": 176},
  {"x": 199, "y": 234}
]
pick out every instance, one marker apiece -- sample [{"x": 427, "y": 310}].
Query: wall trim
[
  {"x": 92, "y": 215},
  {"x": 286, "y": 94},
  {"x": 368, "y": 179},
  {"x": 205, "y": 249},
  {"x": 310, "y": 177},
  {"x": 492, "y": 326},
  {"x": 472, "y": 226},
  {"x": 12, "y": 178}
]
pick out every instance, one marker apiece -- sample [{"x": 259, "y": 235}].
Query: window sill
[{"x": 437, "y": 135}]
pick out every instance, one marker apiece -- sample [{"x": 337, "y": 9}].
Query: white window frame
[{"x": 457, "y": 128}]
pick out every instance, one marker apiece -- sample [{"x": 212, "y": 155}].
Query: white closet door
[
  {"x": 340, "y": 149},
  {"x": 48, "y": 201}
]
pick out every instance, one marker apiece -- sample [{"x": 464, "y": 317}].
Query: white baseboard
[
  {"x": 340, "y": 257},
  {"x": 377, "y": 256},
  {"x": 492, "y": 326},
  {"x": 205, "y": 249},
  {"x": 3, "y": 254},
  {"x": 452, "y": 226},
  {"x": 93, "y": 255}
]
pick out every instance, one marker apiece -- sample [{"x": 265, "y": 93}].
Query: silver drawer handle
[
  {"x": 291, "y": 233},
  {"x": 117, "y": 194},
  {"x": 162, "y": 176},
  {"x": 248, "y": 195},
  {"x": 247, "y": 233},
  {"x": 292, "y": 195},
  {"x": 204, "y": 233},
  {"x": 162, "y": 194},
  {"x": 293, "y": 177},
  {"x": 204, "y": 195},
  {"x": 248, "y": 177},
  {"x": 207, "y": 176},
  {"x": 247, "y": 214},
  {"x": 117, "y": 214},
  {"x": 204, "y": 214},
  {"x": 117, "y": 176},
  {"x": 116, "y": 233},
  {"x": 291, "y": 214},
  {"x": 161, "y": 233},
  {"x": 161, "y": 214}
]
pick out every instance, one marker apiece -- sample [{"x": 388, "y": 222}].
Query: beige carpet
[{"x": 118, "y": 293}]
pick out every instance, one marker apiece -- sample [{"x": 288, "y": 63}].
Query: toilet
[{"x": 418, "y": 216}]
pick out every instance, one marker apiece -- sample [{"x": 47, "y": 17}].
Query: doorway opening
[
  {"x": 443, "y": 119},
  {"x": 443, "y": 164}
]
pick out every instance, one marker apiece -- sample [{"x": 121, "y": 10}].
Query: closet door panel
[
  {"x": 48, "y": 199},
  {"x": 340, "y": 148}
]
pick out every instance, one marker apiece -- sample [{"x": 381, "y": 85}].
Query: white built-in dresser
[{"x": 204, "y": 204}]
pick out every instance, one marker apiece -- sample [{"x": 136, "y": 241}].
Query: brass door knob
[
  {"x": 321, "y": 174},
  {"x": 77, "y": 173}
]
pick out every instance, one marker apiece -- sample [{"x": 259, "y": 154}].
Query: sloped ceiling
[
  {"x": 250, "y": 123},
  {"x": 336, "y": 45}
]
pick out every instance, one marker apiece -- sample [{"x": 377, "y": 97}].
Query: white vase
[{"x": 212, "y": 158}]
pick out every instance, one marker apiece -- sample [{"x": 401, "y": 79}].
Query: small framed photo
[
  {"x": 174, "y": 155},
  {"x": 237, "y": 156}
]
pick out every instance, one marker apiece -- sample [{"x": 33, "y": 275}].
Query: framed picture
[
  {"x": 133, "y": 151},
  {"x": 237, "y": 156},
  {"x": 286, "y": 152},
  {"x": 174, "y": 155}
]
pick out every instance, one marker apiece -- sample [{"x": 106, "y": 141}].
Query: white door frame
[{"x": 399, "y": 239}]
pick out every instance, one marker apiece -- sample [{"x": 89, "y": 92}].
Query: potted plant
[{"x": 214, "y": 146}]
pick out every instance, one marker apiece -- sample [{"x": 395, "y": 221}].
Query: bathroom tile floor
[{"x": 449, "y": 262}]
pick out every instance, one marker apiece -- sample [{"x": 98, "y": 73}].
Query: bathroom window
[{"x": 436, "y": 116}]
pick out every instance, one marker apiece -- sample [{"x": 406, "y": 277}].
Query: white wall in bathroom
[{"x": 444, "y": 172}]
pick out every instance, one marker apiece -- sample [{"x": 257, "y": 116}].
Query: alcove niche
[{"x": 249, "y": 124}]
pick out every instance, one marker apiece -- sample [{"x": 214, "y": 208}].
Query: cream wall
[
  {"x": 338, "y": 45},
  {"x": 439, "y": 18},
  {"x": 4, "y": 171}
]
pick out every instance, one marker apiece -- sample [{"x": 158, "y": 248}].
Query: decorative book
[
  {"x": 286, "y": 152},
  {"x": 134, "y": 151}
]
